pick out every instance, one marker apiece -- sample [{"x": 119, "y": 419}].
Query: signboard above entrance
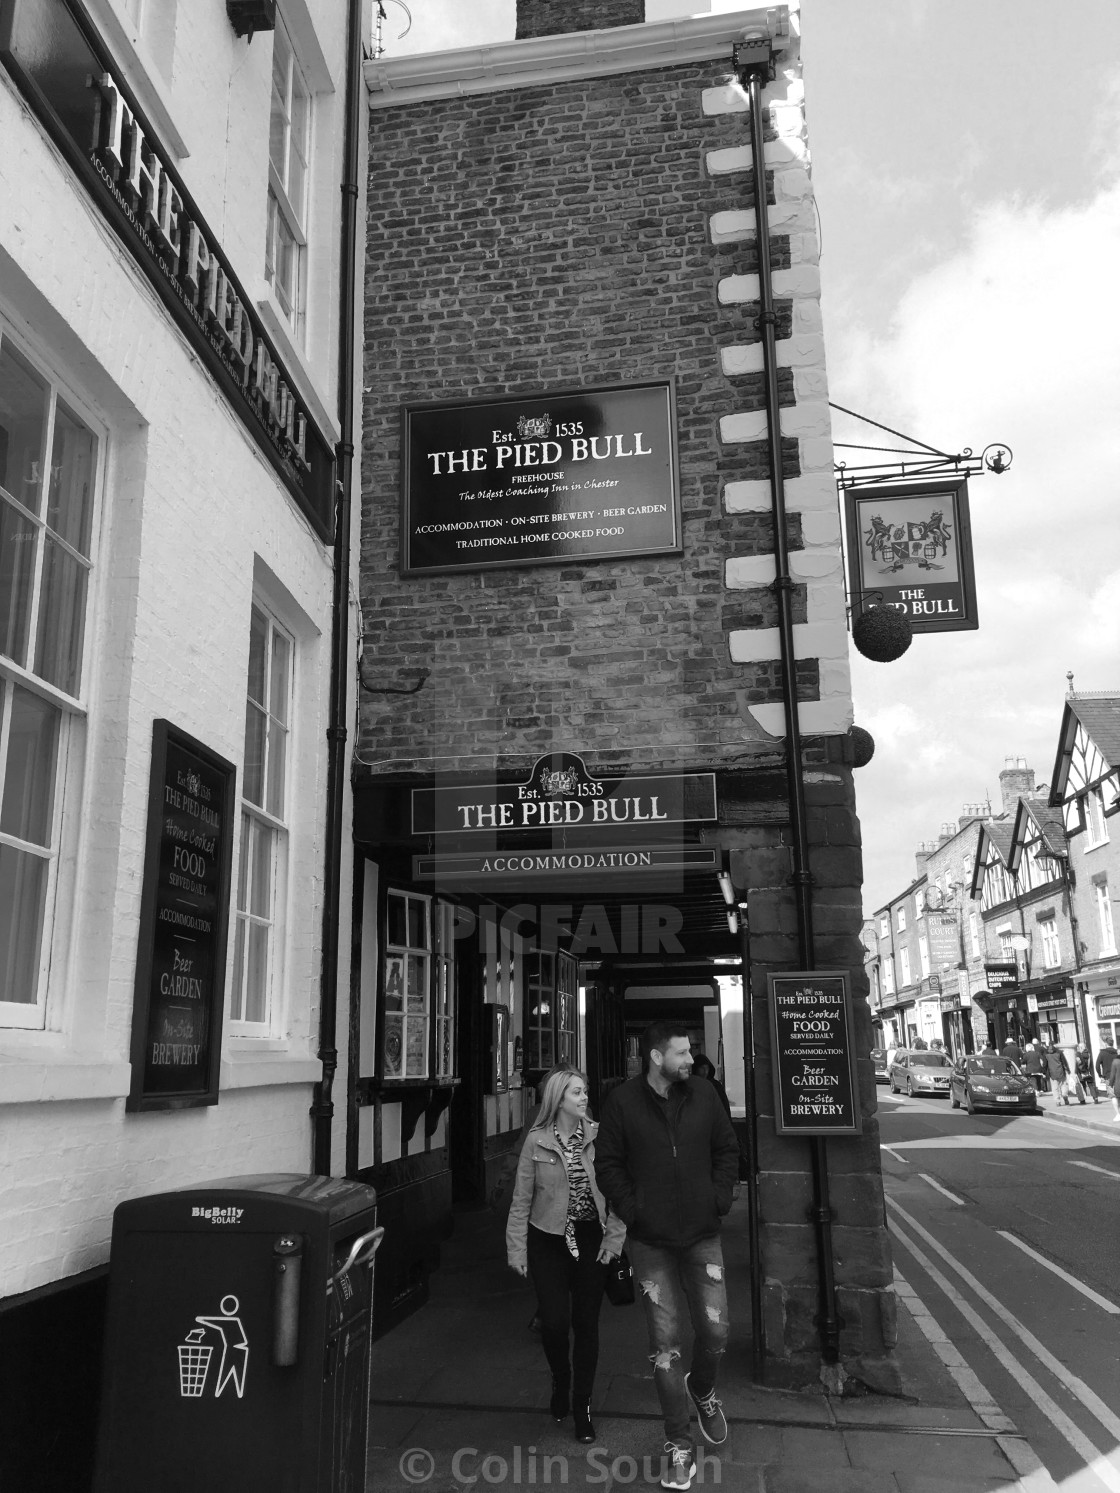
[
  {"x": 576, "y": 475},
  {"x": 910, "y": 547},
  {"x": 560, "y": 793}
]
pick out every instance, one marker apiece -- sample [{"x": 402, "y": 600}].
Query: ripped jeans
[{"x": 670, "y": 1282}]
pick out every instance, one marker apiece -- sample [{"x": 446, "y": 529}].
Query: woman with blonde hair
[{"x": 561, "y": 1233}]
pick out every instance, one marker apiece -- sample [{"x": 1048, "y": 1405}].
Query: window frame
[
  {"x": 1048, "y": 931},
  {"x": 72, "y": 708},
  {"x": 295, "y": 216},
  {"x": 1094, "y": 819},
  {"x": 1105, "y": 918},
  {"x": 904, "y": 966},
  {"x": 900, "y": 920},
  {"x": 259, "y": 818}
]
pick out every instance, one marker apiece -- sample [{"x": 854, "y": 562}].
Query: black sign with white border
[
  {"x": 815, "y": 1087},
  {"x": 184, "y": 914},
  {"x": 910, "y": 547},
  {"x": 544, "y": 479}
]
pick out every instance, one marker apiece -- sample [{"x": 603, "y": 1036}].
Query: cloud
[{"x": 1016, "y": 338}]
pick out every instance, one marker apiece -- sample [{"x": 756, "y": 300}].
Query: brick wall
[
  {"x": 549, "y": 17},
  {"x": 594, "y": 231}
]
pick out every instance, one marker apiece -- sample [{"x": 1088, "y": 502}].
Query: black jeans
[{"x": 570, "y": 1293}]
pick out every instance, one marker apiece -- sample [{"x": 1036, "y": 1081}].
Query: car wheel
[{"x": 968, "y": 1104}]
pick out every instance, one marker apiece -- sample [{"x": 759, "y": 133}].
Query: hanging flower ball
[
  {"x": 882, "y": 633},
  {"x": 863, "y": 746}
]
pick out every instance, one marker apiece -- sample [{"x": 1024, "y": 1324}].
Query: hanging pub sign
[
  {"x": 54, "y": 52},
  {"x": 560, "y": 793},
  {"x": 910, "y": 547},
  {"x": 815, "y": 1088},
  {"x": 575, "y": 475},
  {"x": 181, "y": 958}
]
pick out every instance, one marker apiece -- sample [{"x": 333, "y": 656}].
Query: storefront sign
[
  {"x": 576, "y": 475},
  {"x": 56, "y": 56},
  {"x": 563, "y": 864},
  {"x": 910, "y": 547},
  {"x": 181, "y": 961},
  {"x": 560, "y": 793},
  {"x": 815, "y": 1091},
  {"x": 1053, "y": 1002},
  {"x": 1002, "y": 976},
  {"x": 1108, "y": 1009}
]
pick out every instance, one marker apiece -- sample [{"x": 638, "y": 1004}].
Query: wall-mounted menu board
[
  {"x": 815, "y": 1090},
  {"x": 184, "y": 916}
]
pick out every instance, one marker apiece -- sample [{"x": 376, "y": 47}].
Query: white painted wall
[{"x": 193, "y": 518}]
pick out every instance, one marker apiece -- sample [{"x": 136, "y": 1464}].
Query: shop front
[
  {"x": 1055, "y": 1018},
  {"x": 501, "y": 928}
]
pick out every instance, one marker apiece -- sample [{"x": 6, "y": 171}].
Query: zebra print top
[{"x": 581, "y": 1200}]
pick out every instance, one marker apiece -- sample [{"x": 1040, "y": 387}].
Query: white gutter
[{"x": 539, "y": 60}]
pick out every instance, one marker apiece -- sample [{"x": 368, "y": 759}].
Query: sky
[{"x": 966, "y": 162}]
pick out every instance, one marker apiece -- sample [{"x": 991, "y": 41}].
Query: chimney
[
  {"x": 551, "y": 17},
  {"x": 971, "y": 812},
  {"x": 1016, "y": 781},
  {"x": 924, "y": 851}
]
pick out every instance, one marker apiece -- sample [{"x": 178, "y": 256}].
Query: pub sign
[
  {"x": 815, "y": 1089},
  {"x": 548, "y": 479},
  {"x": 910, "y": 547},
  {"x": 181, "y": 959}
]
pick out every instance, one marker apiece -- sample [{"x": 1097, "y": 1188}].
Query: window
[
  {"x": 901, "y": 920},
  {"x": 974, "y": 934},
  {"x": 551, "y": 996},
  {"x": 888, "y": 978},
  {"x": 262, "y": 869},
  {"x": 884, "y": 928},
  {"x": 904, "y": 965},
  {"x": 1104, "y": 912},
  {"x": 289, "y": 145},
  {"x": 48, "y": 480},
  {"x": 919, "y": 902},
  {"x": 152, "y": 24},
  {"x": 923, "y": 955},
  {"x": 1094, "y": 820},
  {"x": 1006, "y": 950},
  {"x": 1051, "y": 953},
  {"x": 540, "y": 999},
  {"x": 408, "y": 943},
  {"x": 443, "y": 1003}
]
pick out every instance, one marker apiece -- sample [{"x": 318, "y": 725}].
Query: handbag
[{"x": 620, "y": 1281}]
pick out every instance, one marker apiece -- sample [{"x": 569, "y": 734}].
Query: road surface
[{"x": 1007, "y": 1228}]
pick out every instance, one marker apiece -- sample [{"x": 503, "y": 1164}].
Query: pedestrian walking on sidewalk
[
  {"x": 1104, "y": 1068},
  {"x": 1035, "y": 1066},
  {"x": 1012, "y": 1050},
  {"x": 668, "y": 1161},
  {"x": 1083, "y": 1072},
  {"x": 1114, "y": 1085},
  {"x": 1058, "y": 1069},
  {"x": 561, "y": 1232}
]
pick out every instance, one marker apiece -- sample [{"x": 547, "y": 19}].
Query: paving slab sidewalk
[{"x": 460, "y": 1390}]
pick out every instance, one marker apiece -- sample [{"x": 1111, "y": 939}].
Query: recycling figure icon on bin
[{"x": 196, "y": 1353}]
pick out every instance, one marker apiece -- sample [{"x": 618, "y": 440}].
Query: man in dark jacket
[{"x": 667, "y": 1160}]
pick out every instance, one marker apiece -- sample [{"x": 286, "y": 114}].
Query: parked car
[
  {"x": 920, "y": 1073},
  {"x": 991, "y": 1082},
  {"x": 879, "y": 1063},
  {"x": 892, "y": 1054}
]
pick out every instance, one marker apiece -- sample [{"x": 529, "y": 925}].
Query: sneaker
[
  {"x": 680, "y": 1469},
  {"x": 713, "y": 1422}
]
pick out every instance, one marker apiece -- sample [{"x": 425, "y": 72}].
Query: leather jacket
[{"x": 540, "y": 1193}]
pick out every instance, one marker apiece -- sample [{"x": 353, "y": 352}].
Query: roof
[
  {"x": 1000, "y": 833},
  {"x": 1098, "y": 714}
]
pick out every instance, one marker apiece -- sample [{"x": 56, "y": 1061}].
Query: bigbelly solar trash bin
[{"x": 238, "y": 1337}]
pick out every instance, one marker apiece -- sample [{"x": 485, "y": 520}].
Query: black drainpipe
[
  {"x": 322, "y": 1106},
  {"x": 752, "y": 62}
]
